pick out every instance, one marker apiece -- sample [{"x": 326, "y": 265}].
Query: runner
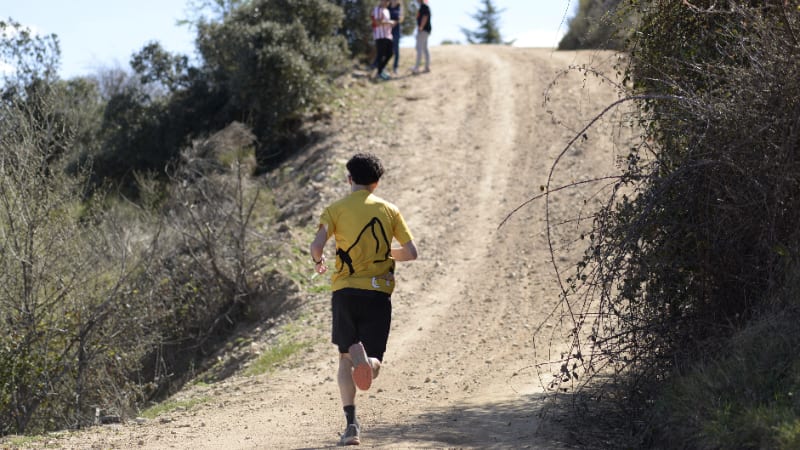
[{"x": 363, "y": 226}]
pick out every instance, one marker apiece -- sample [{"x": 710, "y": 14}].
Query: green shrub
[{"x": 746, "y": 395}]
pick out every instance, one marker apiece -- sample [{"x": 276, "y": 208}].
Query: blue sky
[{"x": 98, "y": 34}]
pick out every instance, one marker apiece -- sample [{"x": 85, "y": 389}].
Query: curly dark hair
[{"x": 365, "y": 168}]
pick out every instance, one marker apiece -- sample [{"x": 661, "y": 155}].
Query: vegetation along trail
[{"x": 464, "y": 145}]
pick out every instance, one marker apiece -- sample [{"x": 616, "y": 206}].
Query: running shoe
[
  {"x": 350, "y": 436},
  {"x": 384, "y": 76},
  {"x": 376, "y": 367},
  {"x": 362, "y": 369}
]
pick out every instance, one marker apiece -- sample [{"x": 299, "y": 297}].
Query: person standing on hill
[
  {"x": 423, "y": 32},
  {"x": 363, "y": 226},
  {"x": 396, "y": 15},
  {"x": 382, "y": 33}
]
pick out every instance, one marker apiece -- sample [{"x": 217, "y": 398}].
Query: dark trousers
[
  {"x": 396, "y": 46},
  {"x": 384, "y": 47}
]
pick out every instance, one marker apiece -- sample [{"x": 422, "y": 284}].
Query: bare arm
[
  {"x": 423, "y": 22},
  {"x": 408, "y": 252},
  {"x": 317, "y": 249}
]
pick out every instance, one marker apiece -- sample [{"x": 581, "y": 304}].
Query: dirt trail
[{"x": 463, "y": 145}]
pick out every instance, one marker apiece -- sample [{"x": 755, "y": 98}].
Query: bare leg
[{"x": 347, "y": 389}]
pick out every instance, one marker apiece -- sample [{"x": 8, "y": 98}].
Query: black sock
[{"x": 350, "y": 414}]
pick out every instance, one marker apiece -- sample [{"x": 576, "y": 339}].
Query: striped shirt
[{"x": 381, "y": 30}]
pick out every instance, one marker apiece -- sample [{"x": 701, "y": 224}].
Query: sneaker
[
  {"x": 362, "y": 369},
  {"x": 376, "y": 367},
  {"x": 350, "y": 436},
  {"x": 384, "y": 76},
  {"x": 415, "y": 70},
  {"x": 427, "y": 69}
]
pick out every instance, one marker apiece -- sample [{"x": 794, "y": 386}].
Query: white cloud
[{"x": 538, "y": 38}]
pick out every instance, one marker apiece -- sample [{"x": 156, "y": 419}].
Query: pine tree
[{"x": 488, "y": 32}]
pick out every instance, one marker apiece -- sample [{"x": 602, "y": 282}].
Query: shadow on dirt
[{"x": 516, "y": 424}]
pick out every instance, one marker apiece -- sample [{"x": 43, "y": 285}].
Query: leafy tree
[
  {"x": 273, "y": 59},
  {"x": 31, "y": 56},
  {"x": 488, "y": 32},
  {"x": 218, "y": 10},
  {"x": 154, "y": 64},
  {"x": 134, "y": 136},
  {"x": 598, "y": 24},
  {"x": 355, "y": 25},
  {"x": 72, "y": 108},
  {"x": 150, "y": 116},
  {"x": 409, "y": 23}
]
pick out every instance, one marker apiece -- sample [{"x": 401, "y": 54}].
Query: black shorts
[{"x": 361, "y": 315}]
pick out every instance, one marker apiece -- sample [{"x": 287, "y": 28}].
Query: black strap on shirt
[{"x": 344, "y": 255}]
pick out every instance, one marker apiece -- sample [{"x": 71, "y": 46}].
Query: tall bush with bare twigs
[
  {"x": 701, "y": 229},
  {"x": 210, "y": 268},
  {"x": 64, "y": 272},
  {"x": 103, "y": 302}
]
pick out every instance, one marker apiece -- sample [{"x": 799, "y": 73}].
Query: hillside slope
[{"x": 463, "y": 146}]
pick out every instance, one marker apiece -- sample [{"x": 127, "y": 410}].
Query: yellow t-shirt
[{"x": 363, "y": 226}]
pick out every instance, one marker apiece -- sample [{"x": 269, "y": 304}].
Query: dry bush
[
  {"x": 64, "y": 273},
  {"x": 702, "y": 227},
  {"x": 102, "y": 306},
  {"x": 210, "y": 268}
]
